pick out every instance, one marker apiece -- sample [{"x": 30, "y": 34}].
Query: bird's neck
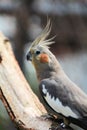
[{"x": 49, "y": 71}]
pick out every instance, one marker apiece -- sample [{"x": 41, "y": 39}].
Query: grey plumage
[
  {"x": 60, "y": 94},
  {"x": 72, "y": 98}
]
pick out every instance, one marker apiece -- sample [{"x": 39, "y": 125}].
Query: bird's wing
[{"x": 60, "y": 99}]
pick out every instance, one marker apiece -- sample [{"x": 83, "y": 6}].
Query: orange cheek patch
[{"x": 44, "y": 58}]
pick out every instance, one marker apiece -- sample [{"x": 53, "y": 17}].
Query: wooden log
[{"x": 22, "y": 105}]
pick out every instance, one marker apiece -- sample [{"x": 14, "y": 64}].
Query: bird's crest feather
[{"x": 41, "y": 40}]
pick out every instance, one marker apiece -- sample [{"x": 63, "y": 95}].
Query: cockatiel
[{"x": 60, "y": 94}]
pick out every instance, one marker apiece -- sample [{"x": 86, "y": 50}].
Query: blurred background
[{"x": 23, "y": 20}]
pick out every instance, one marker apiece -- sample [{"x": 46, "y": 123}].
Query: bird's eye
[{"x": 37, "y": 52}]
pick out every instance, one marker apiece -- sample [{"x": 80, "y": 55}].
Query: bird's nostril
[{"x": 28, "y": 57}]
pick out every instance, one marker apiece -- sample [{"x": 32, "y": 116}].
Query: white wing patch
[{"x": 56, "y": 105}]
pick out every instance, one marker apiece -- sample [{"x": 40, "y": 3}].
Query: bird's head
[{"x": 39, "y": 53}]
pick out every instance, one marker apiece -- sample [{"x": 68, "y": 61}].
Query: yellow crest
[{"x": 41, "y": 39}]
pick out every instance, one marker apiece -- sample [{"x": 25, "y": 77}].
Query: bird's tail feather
[{"x": 80, "y": 122}]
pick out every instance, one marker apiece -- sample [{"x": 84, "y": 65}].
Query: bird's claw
[
  {"x": 48, "y": 117},
  {"x": 60, "y": 126},
  {"x": 63, "y": 125}
]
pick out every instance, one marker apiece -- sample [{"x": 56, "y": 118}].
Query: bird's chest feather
[{"x": 56, "y": 104}]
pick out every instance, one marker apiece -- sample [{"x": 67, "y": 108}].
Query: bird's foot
[
  {"x": 63, "y": 125},
  {"x": 20, "y": 125},
  {"x": 60, "y": 126},
  {"x": 48, "y": 116},
  {"x": 52, "y": 118}
]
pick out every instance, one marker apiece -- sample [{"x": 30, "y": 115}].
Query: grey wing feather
[{"x": 66, "y": 96}]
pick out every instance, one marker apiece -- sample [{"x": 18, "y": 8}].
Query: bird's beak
[{"x": 29, "y": 56}]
